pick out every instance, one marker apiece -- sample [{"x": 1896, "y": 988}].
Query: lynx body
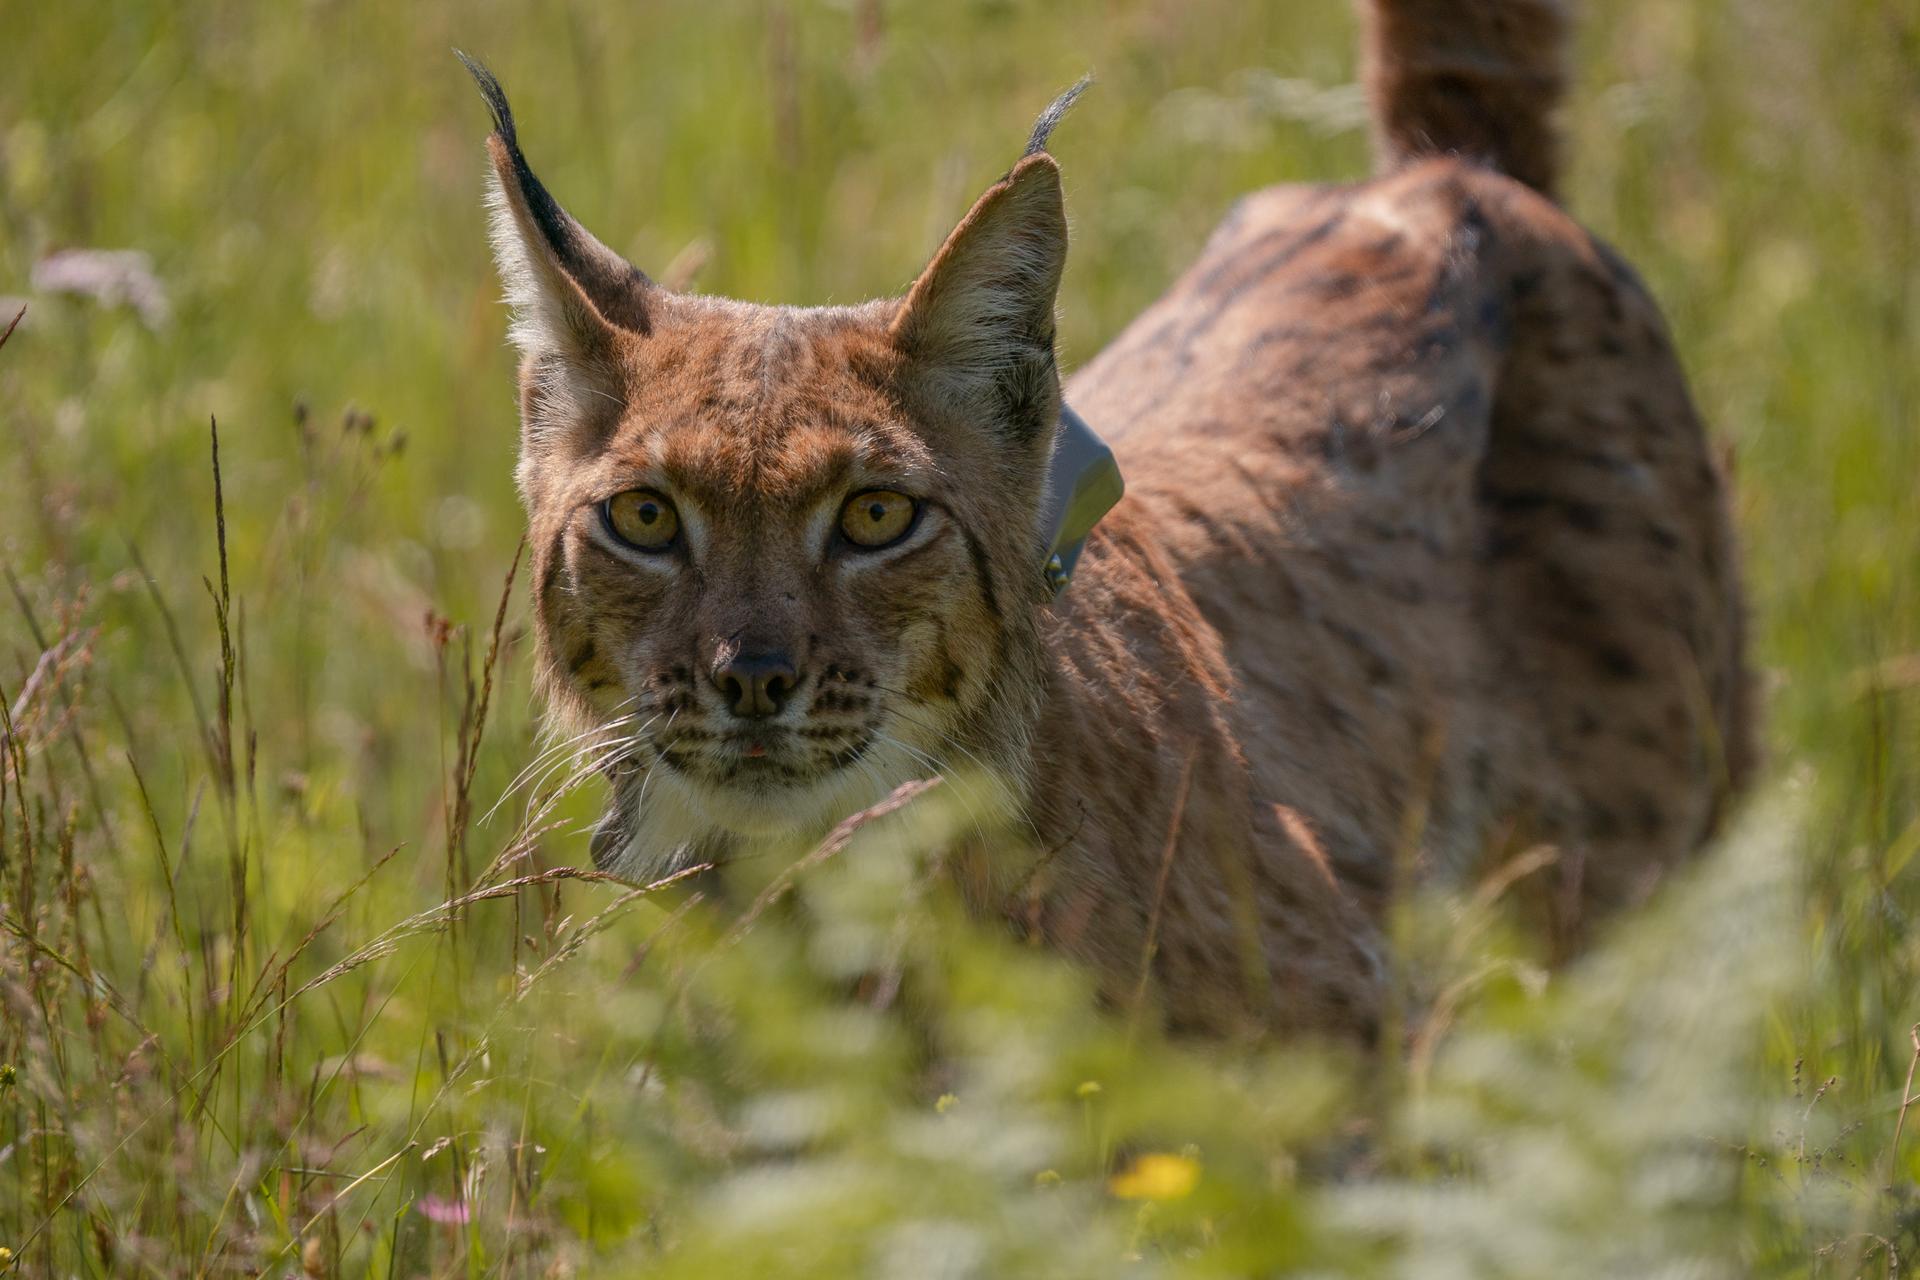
[{"x": 1424, "y": 559}]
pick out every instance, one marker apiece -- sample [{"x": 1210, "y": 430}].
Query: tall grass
[{"x": 300, "y": 970}]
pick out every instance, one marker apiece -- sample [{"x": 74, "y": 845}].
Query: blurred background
[{"x": 269, "y": 215}]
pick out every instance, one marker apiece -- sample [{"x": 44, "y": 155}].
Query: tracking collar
[{"x": 1082, "y": 485}]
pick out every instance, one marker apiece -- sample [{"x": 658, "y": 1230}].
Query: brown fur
[
  {"x": 1475, "y": 78},
  {"x": 1425, "y": 559}
]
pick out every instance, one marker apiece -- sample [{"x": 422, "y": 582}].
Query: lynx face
[
  {"x": 783, "y": 587},
  {"x": 784, "y": 558}
]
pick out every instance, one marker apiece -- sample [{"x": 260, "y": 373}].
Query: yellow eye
[
  {"x": 877, "y": 518},
  {"x": 641, "y": 518}
]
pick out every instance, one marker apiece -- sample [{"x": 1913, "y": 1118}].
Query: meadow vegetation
[{"x": 301, "y": 970}]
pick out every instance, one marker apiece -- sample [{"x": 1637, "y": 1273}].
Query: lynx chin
[{"x": 1424, "y": 561}]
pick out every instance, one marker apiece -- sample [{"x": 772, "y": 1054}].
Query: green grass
[{"x": 243, "y": 1032}]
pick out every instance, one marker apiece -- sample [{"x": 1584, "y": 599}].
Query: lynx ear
[
  {"x": 571, "y": 295},
  {"x": 978, "y": 323}
]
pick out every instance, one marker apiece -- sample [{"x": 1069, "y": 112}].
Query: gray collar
[{"x": 1083, "y": 484}]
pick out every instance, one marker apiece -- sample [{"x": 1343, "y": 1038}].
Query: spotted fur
[{"x": 1425, "y": 557}]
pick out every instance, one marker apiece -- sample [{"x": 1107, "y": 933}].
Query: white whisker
[{"x": 552, "y": 750}]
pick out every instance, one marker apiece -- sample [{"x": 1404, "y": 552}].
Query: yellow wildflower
[{"x": 1158, "y": 1175}]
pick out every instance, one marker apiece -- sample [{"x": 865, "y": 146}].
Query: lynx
[{"x": 1425, "y": 557}]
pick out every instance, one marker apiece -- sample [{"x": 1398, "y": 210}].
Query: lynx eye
[
  {"x": 877, "y": 518},
  {"x": 641, "y": 519}
]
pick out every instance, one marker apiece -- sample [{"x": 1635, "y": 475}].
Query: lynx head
[{"x": 784, "y": 558}]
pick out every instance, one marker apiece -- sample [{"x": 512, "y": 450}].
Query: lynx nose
[{"x": 756, "y": 684}]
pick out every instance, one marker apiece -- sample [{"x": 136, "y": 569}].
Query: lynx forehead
[{"x": 1424, "y": 540}]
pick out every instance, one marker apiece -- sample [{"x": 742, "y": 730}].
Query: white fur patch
[{"x": 560, "y": 338}]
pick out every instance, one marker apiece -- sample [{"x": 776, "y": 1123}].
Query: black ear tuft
[
  {"x": 1036, "y": 141},
  {"x": 616, "y": 289},
  {"x": 496, "y": 97},
  {"x": 559, "y": 229}
]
